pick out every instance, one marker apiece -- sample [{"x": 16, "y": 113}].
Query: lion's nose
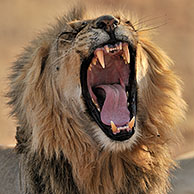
[{"x": 107, "y": 23}]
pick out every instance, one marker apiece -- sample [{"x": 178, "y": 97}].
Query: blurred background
[{"x": 21, "y": 20}]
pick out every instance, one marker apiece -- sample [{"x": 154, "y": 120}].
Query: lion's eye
[
  {"x": 82, "y": 26},
  {"x": 84, "y": 23},
  {"x": 67, "y": 34}
]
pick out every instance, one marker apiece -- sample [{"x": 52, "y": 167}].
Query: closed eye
[
  {"x": 82, "y": 26},
  {"x": 67, "y": 34},
  {"x": 66, "y": 37}
]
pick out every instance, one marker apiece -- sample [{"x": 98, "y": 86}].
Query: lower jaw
[
  {"x": 122, "y": 136},
  {"x": 111, "y": 145}
]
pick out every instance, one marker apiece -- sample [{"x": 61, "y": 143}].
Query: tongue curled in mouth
[
  {"x": 115, "y": 105},
  {"x": 107, "y": 78}
]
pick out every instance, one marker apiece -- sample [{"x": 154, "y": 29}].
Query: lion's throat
[{"x": 115, "y": 105}]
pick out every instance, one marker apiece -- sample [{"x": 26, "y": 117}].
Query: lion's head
[{"x": 96, "y": 83}]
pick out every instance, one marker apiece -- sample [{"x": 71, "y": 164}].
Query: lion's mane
[{"x": 57, "y": 156}]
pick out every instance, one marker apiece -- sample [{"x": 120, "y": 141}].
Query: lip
[{"x": 123, "y": 131}]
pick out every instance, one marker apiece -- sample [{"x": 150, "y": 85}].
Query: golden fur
[{"x": 54, "y": 125}]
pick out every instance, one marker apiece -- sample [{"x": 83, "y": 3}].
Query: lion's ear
[
  {"x": 38, "y": 61},
  {"x": 44, "y": 53},
  {"x": 26, "y": 76},
  {"x": 28, "y": 68}
]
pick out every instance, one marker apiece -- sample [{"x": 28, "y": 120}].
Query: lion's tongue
[{"x": 115, "y": 105}]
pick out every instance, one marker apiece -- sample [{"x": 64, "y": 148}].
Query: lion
[{"x": 97, "y": 105}]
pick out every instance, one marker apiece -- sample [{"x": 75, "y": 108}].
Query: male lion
[{"x": 97, "y": 106}]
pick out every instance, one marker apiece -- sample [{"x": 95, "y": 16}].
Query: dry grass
[{"x": 20, "y": 21}]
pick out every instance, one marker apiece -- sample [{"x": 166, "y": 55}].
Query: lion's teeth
[
  {"x": 113, "y": 126},
  {"x": 107, "y": 48},
  {"x": 90, "y": 67},
  {"x": 100, "y": 56},
  {"x": 120, "y": 45},
  {"x": 94, "y": 60},
  {"x": 126, "y": 53},
  {"x": 124, "y": 58},
  {"x": 97, "y": 106},
  {"x": 131, "y": 123}
]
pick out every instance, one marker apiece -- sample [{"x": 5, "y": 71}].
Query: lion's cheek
[
  {"x": 69, "y": 86},
  {"x": 125, "y": 34},
  {"x": 85, "y": 42}
]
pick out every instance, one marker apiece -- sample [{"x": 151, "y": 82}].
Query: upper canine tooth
[
  {"x": 113, "y": 126},
  {"x": 100, "y": 56},
  {"x": 131, "y": 123},
  {"x": 126, "y": 52},
  {"x": 106, "y": 48}
]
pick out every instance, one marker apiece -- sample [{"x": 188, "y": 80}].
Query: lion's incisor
[{"x": 63, "y": 141}]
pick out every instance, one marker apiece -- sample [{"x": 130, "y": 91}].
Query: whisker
[
  {"x": 59, "y": 58},
  {"x": 149, "y": 20},
  {"x": 62, "y": 56},
  {"x": 151, "y": 28},
  {"x": 138, "y": 20}
]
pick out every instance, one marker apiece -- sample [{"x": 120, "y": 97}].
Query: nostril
[
  {"x": 107, "y": 23},
  {"x": 115, "y": 23}
]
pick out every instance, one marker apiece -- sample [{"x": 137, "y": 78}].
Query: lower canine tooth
[
  {"x": 131, "y": 123},
  {"x": 126, "y": 53},
  {"x": 100, "y": 56},
  {"x": 113, "y": 126}
]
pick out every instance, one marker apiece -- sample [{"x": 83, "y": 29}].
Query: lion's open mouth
[{"x": 109, "y": 89}]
